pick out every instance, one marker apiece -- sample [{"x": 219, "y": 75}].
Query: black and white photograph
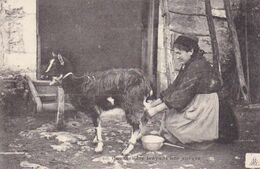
[{"x": 129, "y": 84}]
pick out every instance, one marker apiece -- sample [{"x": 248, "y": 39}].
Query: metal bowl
[{"x": 152, "y": 142}]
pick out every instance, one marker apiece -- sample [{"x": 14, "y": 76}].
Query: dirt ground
[
  {"x": 29, "y": 140},
  {"x": 41, "y": 146}
]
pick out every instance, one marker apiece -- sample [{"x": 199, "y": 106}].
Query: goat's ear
[{"x": 60, "y": 58}]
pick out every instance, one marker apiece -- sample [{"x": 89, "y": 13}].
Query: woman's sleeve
[
  {"x": 180, "y": 97},
  {"x": 209, "y": 82}
]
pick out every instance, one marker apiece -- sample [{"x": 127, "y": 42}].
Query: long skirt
[{"x": 198, "y": 122}]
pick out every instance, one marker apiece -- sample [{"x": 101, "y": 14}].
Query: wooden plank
[
  {"x": 34, "y": 93},
  {"x": 60, "y": 114},
  {"x": 42, "y": 82},
  {"x": 244, "y": 9},
  {"x": 38, "y": 39},
  {"x": 46, "y": 89},
  {"x": 160, "y": 53},
  {"x": 214, "y": 42},
  {"x": 52, "y": 107},
  {"x": 144, "y": 35},
  {"x": 241, "y": 77},
  {"x": 150, "y": 40},
  {"x": 47, "y": 95}
]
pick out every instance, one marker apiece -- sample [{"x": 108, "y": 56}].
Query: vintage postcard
[{"x": 129, "y": 84}]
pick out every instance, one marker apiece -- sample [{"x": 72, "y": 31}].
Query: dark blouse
[{"x": 197, "y": 77}]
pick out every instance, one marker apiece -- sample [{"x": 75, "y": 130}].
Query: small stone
[{"x": 237, "y": 158}]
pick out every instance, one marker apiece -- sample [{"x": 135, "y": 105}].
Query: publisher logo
[{"x": 252, "y": 160}]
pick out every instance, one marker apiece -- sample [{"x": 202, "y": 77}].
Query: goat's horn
[{"x": 50, "y": 65}]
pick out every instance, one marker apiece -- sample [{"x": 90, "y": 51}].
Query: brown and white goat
[{"x": 97, "y": 92}]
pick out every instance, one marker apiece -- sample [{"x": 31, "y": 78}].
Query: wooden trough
[{"x": 49, "y": 98}]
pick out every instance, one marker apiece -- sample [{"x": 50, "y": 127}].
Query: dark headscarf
[{"x": 187, "y": 43}]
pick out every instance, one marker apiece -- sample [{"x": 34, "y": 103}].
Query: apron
[{"x": 198, "y": 122}]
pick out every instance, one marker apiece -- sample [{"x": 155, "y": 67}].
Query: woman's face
[{"x": 181, "y": 57}]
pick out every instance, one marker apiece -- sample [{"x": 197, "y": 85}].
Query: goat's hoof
[
  {"x": 127, "y": 150},
  {"x": 99, "y": 148}
]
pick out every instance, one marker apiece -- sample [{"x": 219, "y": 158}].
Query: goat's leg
[
  {"x": 98, "y": 138},
  {"x": 138, "y": 128},
  {"x": 137, "y": 132},
  {"x": 99, "y": 147},
  {"x": 132, "y": 141},
  {"x": 95, "y": 122}
]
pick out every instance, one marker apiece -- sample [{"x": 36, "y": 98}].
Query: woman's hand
[
  {"x": 151, "y": 103},
  {"x": 153, "y": 110},
  {"x": 147, "y": 105}
]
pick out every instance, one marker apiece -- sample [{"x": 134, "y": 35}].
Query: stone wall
[
  {"x": 18, "y": 35},
  {"x": 189, "y": 17}
]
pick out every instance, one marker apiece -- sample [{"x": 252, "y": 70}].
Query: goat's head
[{"x": 59, "y": 67}]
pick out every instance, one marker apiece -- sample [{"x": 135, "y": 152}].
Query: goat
[{"x": 97, "y": 92}]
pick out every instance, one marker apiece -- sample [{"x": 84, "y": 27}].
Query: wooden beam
[
  {"x": 144, "y": 36},
  {"x": 151, "y": 39},
  {"x": 241, "y": 77},
  {"x": 244, "y": 4},
  {"x": 38, "y": 39},
  {"x": 165, "y": 13},
  {"x": 60, "y": 113},
  {"x": 214, "y": 42},
  {"x": 36, "y": 99}
]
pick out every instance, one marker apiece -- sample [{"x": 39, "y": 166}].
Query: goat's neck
[{"x": 71, "y": 85}]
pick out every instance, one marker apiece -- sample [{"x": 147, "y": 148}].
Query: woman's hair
[{"x": 186, "y": 43}]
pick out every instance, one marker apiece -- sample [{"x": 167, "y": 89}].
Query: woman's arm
[
  {"x": 157, "y": 108},
  {"x": 156, "y": 102}
]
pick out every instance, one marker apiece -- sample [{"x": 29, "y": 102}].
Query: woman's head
[
  {"x": 186, "y": 43},
  {"x": 183, "y": 48}
]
